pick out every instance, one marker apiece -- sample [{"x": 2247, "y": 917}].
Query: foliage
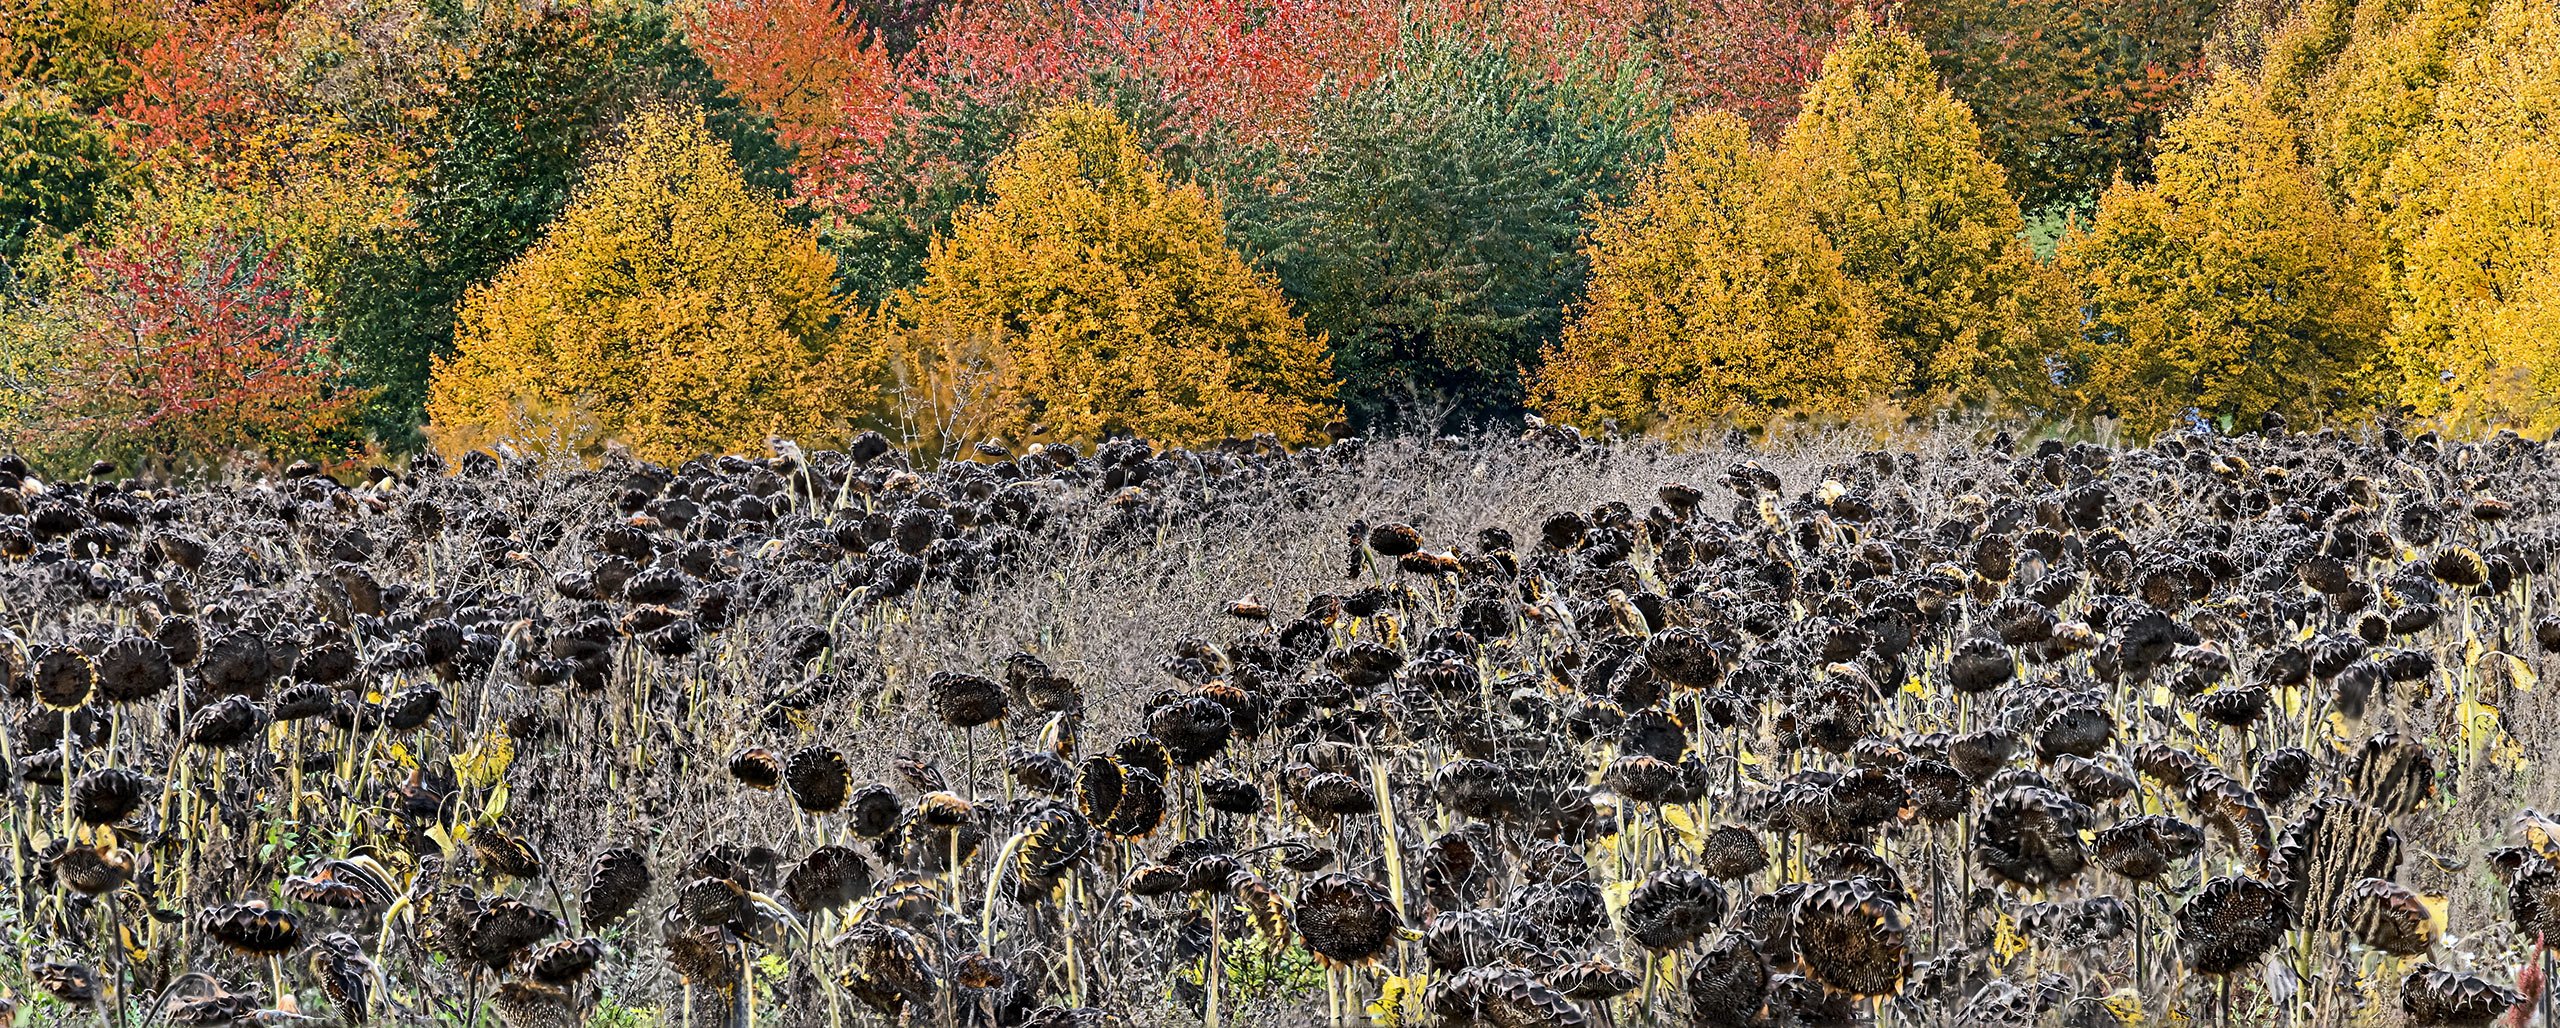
[
  {"x": 1752, "y": 57},
  {"x": 2379, "y": 93},
  {"x": 2069, "y": 94},
  {"x": 1713, "y": 302},
  {"x": 1432, "y": 232},
  {"x": 81, "y": 48},
  {"x": 56, "y": 169},
  {"x": 538, "y": 88},
  {"x": 670, "y": 310},
  {"x": 2230, "y": 287},
  {"x": 2479, "y": 233},
  {"x": 1089, "y": 296},
  {"x": 1892, "y": 168},
  {"x": 187, "y": 350},
  {"x": 824, "y": 81}
]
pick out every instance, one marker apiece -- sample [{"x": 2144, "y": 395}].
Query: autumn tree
[
  {"x": 1090, "y": 296},
  {"x": 536, "y": 89},
  {"x": 824, "y": 79},
  {"x": 82, "y": 49},
  {"x": 1432, "y": 233},
  {"x": 55, "y": 170},
  {"x": 1892, "y": 168},
  {"x": 2477, "y": 232},
  {"x": 1713, "y": 302},
  {"x": 670, "y": 309},
  {"x": 2069, "y": 94},
  {"x": 2229, "y": 287},
  {"x": 1751, "y": 57},
  {"x": 187, "y": 351}
]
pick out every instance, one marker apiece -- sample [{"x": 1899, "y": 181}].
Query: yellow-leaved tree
[
  {"x": 2476, "y": 316},
  {"x": 1089, "y": 297},
  {"x": 1713, "y": 301},
  {"x": 1892, "y": 168},
  {"x": 2230, "y": 287},
  {"x": 669, "y": 309}
]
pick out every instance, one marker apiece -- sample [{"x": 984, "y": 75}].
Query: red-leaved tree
[
  {"x": 1751, "y": 57},
  {"x": 191, "y": 351}
]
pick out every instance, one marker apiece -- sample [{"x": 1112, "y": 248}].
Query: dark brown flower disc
[
  {"x": 1643, "y": 779},
  {"x": 1141, "y": 806},
  {"x": 1728, "y": 983},
  {"x": 2436, "y": 998},
  {"x": 505, "y": 928},
  {"x": 302, "y": 701},
  {"x": 1227, "y": 794},
  {"x": 1732, "y": 853},
  {"x": 1980, "y": 665},
  {"x": 1852, "y": 937},
  {"x": 1593, "y": 980},
  {"x": 828, "y": 878},
  {"x": 874, "y": 810},
  {"x": 818, "y": 779},
  {"x": 1672, "y": 908},
  {"x": 1098, "y": 788},
  {"x": 252, "y": 928},
  {"x": 756, "y": 768},
  {"x": 965, "y": 700},
  {"x": 2090, "y": 782},
  {"x": 534, "y": 1004},
  {"x": 2146, "y": 847},
  {"x": 64, "y": 677},
  {"x": 1938, "y": 792},
  {"x": 710, "y": 901},
  {"x": 73, "y": 984},
  {"x": 1979, "y": 755},
  {"x": 1333, "y": 794},
  {"x": 134, "y": 668},
  {"x": 2227, "y": 925},
  {"x": 1394, "y": 539},
  {"x": 617, "y": 882},
  {"x": 410, "y": 709},
  {"x": 1193, "y": 729},
  {"x": 1345, "y": 919},
  {"x": 107, "y": 795},
  {"x": 1154, "y": 880},
  {"x": 566, "y": 961},
  {"x": 1144, "y": 751},
  {"x": 2387, "y": 916},
  {"x": 502, "y": 853},
  {"x": 232, "y": 721},
  {"x": 2282, "y": 774},
  {"x": 93, "y": 871},
  {"x": 2030, "y": 836}
]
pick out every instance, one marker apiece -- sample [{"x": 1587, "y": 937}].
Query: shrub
[
  {"x": 184, "y": 351},
  {"x": 55, "y": 170},
  {"x": 2230, "y": 287},
  {"x": 1090, "y": 297},
  {"x": 1713, "y": 302},
  {"x": 1433, "y": 232},
  {"x": 669, "y": 309},
  {"x": 1892, "y": 168}
]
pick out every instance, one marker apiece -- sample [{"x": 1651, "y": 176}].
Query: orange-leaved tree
[
  {"x": 670, "y": 309},
  {"x": 1892, "y": 168},
  {"x": 1089, "y": 297},
  {"x": 2229, "y": 287},
  {"x": 812, "y": 67},
  {"x": 1713, "y": 302}
]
